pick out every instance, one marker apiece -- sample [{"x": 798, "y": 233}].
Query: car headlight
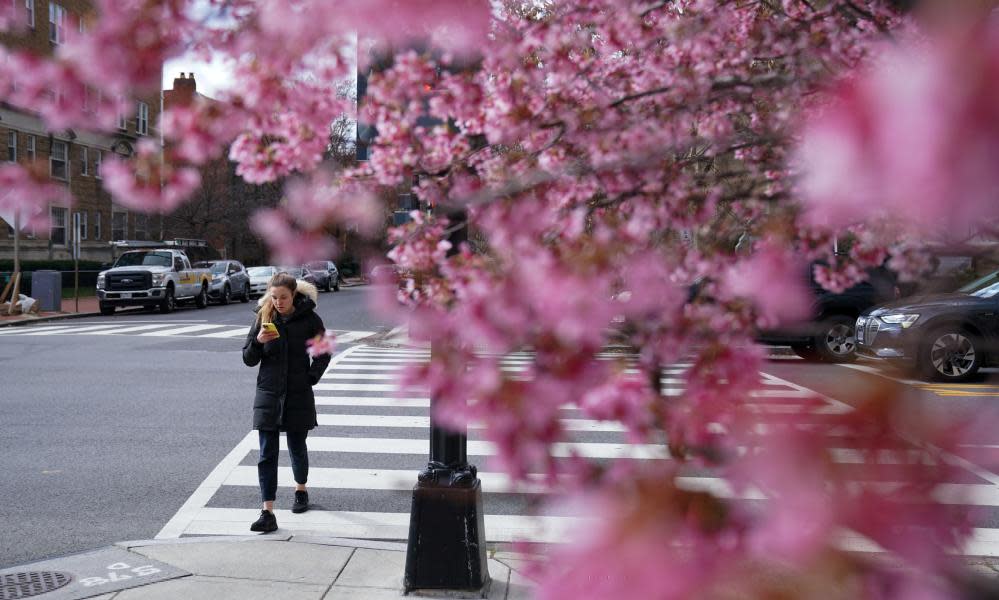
[
  {"x": 100, "y": 281},
  {"x": 158, "y": 279},
  {"x": 216, "y": 279},
  {"x": 905, "y": 320}
]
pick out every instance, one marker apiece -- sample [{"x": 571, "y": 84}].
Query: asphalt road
[{"x": 103, "y": 437}]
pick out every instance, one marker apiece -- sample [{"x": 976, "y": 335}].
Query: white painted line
[
  {"x": 378, "y": 401},
  {"x": 360, "y": 376},
  {"x": 480, "y": 448},
  {"x": 74, "y": 330},
  {"x": 875, "y": 371},
  {"x": 342, "y": 420},
  {"x": 133, "y": 329},
  {"x": 181, "y": 330},
  {"x": 179, "y": 523},
  {"x": 357, "y": 387},
  {"x": 382, "y": 526},
  {"x": 21, "y": 330},
  {"x": 353, "y": 335},
  {"x": 834, "y": 406},
  {"x": 231, "y": 333}
]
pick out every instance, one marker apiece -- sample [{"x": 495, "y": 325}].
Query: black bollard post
[{"x": 446, "y": 549}]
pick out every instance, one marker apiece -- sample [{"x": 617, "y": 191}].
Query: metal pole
[
  {"x": 76, "y": 262},
  {"x": 446, "y": 548}
]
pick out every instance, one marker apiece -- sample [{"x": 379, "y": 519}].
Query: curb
[{"x": 49, "y": 318}]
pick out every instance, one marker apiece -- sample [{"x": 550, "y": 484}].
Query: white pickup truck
[{"x": 152, "y": 278}]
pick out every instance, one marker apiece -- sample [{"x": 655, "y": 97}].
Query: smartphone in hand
[{"x": 270, "y": 328}]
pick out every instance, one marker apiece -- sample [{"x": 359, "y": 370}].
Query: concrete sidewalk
[
  {"x": 289, "y": 567},
  {"x": 88, "y": 308}
]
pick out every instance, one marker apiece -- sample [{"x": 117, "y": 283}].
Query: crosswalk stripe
[
  {"x": 353, "y": 335},
  {"x": 87, "y": 329},
  {"x": 20, "y": 329},
  {"x": 379, "y": 525},
  {"x": 479, "y": 447},
  {"x": 180, "y": 330},
  {"x": 40, "y": 330},
  {"x": 133, "y": 329},
  {"x": 230, "y": 333},
  {"x": 399, "y": 421},
  {"x": 355, "y": 387}
]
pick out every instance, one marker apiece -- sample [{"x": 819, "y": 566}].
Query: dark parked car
[
  {"x": 299, "y": 273},
  {"x": 829, "y": 335},
  {"x": 946, "y": 337},
  {"x": 326, "y": 274}
]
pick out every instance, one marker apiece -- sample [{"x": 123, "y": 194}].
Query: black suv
[
  {"x": 946, "y": 337},
  {"x": 829, "y": 335}
]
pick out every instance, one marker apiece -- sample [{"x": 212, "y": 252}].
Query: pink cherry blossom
[{"x": 324, "y": 343}]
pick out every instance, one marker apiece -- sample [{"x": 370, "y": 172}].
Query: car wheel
[
  {"x": 106, "y": 309},
  {"x": 805, "y": 351},
  {"x": 226, "y": 295},
  {"x": 169, "y": 303},
  {"x": 246, "y": 294},
  {"x": 336, "y": 284},
  {"x": 950, "y": 354},
  {"x": 201, "y": 300},
  {"x": 328, "y": 286},
  {"x": 835, "y": 341}
]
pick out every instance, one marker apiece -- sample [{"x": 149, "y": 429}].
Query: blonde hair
[{"x": 266, "y": 312}]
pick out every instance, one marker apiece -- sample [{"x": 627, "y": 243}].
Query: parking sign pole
[{"x": 76, "y": 262}]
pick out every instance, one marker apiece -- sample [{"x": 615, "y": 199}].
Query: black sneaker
[
  {"x": 266, "y": 523},
  {"x": 301, "y": 502}
]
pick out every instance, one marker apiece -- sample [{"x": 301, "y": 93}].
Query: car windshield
[
  {"x": 317, "y": 266},
  {"x": 260, "y": 271},
  {"x": 293, "y": 271},
  {"x": 149, "y": 259},
  {"x": 985, "y": 287},
  {"x": 218, "y": 268}
]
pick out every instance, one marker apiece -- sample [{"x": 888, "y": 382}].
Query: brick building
[{"x": 73, "y": 158}]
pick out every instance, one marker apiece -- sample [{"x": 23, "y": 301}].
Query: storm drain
[{"x": 31, "y": 583}]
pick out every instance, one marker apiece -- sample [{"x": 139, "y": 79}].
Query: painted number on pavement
[{"x": 119, "y": 572}]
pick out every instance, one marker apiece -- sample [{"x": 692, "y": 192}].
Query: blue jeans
[{"x": 267, "y": 464}]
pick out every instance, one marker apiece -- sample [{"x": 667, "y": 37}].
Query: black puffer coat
[{"x": 284, "y": 399}]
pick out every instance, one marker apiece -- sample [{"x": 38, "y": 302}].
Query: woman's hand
[{"x": 264, "y": 336}]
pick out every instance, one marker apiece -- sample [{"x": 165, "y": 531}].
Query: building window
[
  {"x": 29, "y": 5},
  {"x": 12, "y": 146},
  {"x": 119, "y": 222},
  {"x": 140, "y": 223},
  {"x": 122, "y": 123},
  {"x": 98, "y": 158},
  {"x": 84, "y": 161},
  {"x": 83, "y": 224},
  {"x": 31, "y": 148},
  {"x": 57, "y": 23},
  {"x": 57, "y": 234},
  {"x": 142, "y": 119},
  {"x": 97, "y": 225},
  {"x": 58, "y": 160}
]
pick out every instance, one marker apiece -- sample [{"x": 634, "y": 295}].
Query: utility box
[{"x": 46, "y": 289}]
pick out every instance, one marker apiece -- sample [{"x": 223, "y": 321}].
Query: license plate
[{"x": 126, "y": 294}]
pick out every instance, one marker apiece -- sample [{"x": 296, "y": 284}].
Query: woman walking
[{"x": 284, "y": 399}]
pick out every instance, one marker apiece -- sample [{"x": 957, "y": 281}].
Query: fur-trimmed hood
[{"x": 301, "y": 287}]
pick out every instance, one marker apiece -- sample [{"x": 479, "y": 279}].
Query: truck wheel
[
  {"x": 835, "y": 341},
  {"x": 950, "y": 354},
  {"x": 226, "y": 295},
  {"x": 106, "y": 309},
  {"x": 201, "y": 300},
  {"x": 169, "y": 303}
]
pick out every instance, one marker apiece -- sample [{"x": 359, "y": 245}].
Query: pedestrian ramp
[
  {"x": 155, "y": 329},
  {"x": 372, "y": 441}
]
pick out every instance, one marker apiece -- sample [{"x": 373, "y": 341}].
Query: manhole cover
[{"x": 31, "y": 583}]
